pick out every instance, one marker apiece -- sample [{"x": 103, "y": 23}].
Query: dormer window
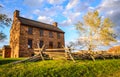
[{"x": 30, "y": 30}]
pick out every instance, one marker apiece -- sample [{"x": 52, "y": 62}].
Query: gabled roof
[{"x": 37, "y": 24}]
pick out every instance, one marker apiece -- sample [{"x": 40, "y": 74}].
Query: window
[
  {"x": 41, "y": 32},
  {"x": 50, "y": 44},
  {"x": 59, "y": 45},
  {"x": 50, "y": 34},
  {"x": 29, "y": 43},
  {"x": 58, "y": 35},
  {"x": 41, "y": 43},
  {"x": 30, "y": 30}
]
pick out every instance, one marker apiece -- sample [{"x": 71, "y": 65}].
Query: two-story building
[{"x": 26, "y": 34}]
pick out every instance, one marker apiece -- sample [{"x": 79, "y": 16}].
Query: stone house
[{"x": 26, "y": 34}]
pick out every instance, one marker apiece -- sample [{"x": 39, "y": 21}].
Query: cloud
[
  {"x": 48, "y": 15},
  {"x": 71, "y": 12},
  {"x": 33, "y": 3},
  {"x": 74, "y": 11},
  {"x": 55, "y": 1},
  {"x": 37, "y": 11},
  {"x": 1, "y": 5},
  {"x": 5, "y": 42},
  {"x": 72, "y": 4},
  {"x": 40, "y": 3},
  {"x": 111, "y": 9},
  {"x": 45, "y": 19},
  {"x": 72, "y": 18},
  {"x": 53, "y": 11}
]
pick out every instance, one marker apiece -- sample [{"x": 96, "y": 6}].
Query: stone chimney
[
  {"x": 16, "y": 13},
  {"x": 55, "y": 24}
]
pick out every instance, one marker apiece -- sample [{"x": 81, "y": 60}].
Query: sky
[{"x": 66, "y": 12}]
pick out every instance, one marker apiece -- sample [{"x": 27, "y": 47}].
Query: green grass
[
  {"x": 62, "y": 68},
  {"x": 9, "y": 60},
  {"x": 0, "y": 57}
]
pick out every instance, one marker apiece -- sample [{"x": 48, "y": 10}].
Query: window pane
[
  {"x": 41, "y": 43},
  {"x": 30, "y": 30},
  {"x": 50, "y": 34},
  {"x": 41, "y": 32},
  {"x": 29, "y": 43},
  {"x": 59, "y": 45},
  {"x": 58, "y": 35}
]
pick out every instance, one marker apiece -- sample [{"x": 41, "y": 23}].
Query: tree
[
  {"x": 96, "y": 30},
  {"x": 115, "y": 49},
  {"x": 4, "y": 21}
]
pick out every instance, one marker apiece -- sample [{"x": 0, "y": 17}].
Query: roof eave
[{"x": 41, "y": 28}]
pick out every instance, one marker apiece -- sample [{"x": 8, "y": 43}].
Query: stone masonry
[{"x": 19, "y": 36}]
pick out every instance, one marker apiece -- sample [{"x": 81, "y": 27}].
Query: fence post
[
  {"x": 41, "y": 51},
  {"x": 68, "y": 52}
]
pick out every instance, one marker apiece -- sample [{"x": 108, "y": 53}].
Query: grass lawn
[
  {"x": 63, "y": 68},
  {"x": 8, "y": 60},
  {"x": 0, "y": 57}
]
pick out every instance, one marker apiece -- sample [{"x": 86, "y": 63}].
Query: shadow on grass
[{"x": 9, "y": 60}]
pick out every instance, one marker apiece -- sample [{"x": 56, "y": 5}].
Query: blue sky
[{"x": 66, "y": 12}]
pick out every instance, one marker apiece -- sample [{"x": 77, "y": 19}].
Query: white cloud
[
  {"x": 37, "y": 11},
  {"x": 111, "y": 9},
  {"x": 27, "y": 16},
  {"x": 72, "y": 4},
  {"x": 4, "y": 42},
  {"x": 39, "y": 3},
  {"x": 91, "y": 8},
  {"x": 56, "y": 1},
  {"x": 74, "y": 10},
  {"x": 72, "y": 18},
  {"x": 33, "y": 2},
  {"x": 66, "y": 22},
  {"x": 45, "y": 19},
  {"x": 1, "y": 5},
  {"x": 53, "y": 11}
]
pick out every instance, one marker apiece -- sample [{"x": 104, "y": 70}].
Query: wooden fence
[{"x": 43, "y": 49}]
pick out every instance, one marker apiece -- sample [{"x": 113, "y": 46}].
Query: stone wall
[
  {"x": 6, "y": 51},
  {"x": 14, "y": 38},
  {"x": 24, "y": 36},
  {"x": 19, "y": 38}
]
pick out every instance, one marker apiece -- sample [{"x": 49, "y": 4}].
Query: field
[
  {"x": 8, "y": 60},
  {"x": 62, "y": 68}
]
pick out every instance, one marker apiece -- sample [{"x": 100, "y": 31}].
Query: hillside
[{"x": 62, "y": 68}]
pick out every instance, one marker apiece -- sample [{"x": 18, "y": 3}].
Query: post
[
  {"x": 68, "y": 52},
  {"x": 41, "y": 51}
]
